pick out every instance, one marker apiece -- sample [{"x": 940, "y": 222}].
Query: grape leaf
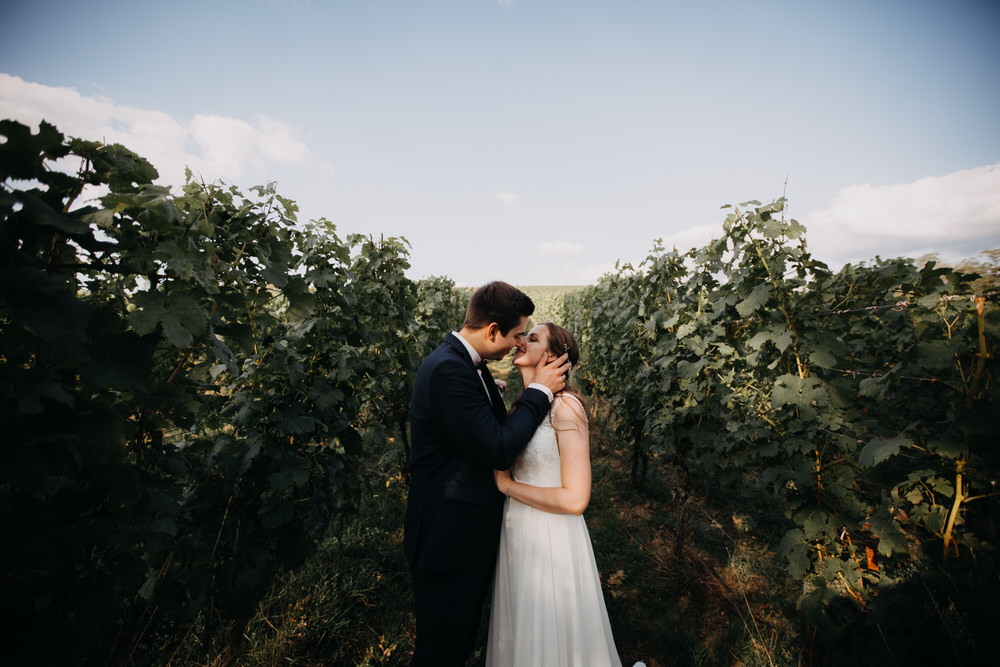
[
  {"x": 878, "y": 450},
  {"x": 758, "y": 297}
]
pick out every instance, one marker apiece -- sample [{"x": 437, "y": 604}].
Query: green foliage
[
  {"x": 193, "y": 386},
  {"x": 185, "y": 381},
  {"x": 864, "y": 400},
  {"x": 350, "y": 603},
  {"x": 398, "y": 340}
]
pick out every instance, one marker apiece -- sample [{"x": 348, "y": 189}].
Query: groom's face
[{"x": 500, "y": 344}]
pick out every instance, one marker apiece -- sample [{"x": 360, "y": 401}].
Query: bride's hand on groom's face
[{"x": 553, "y": 373}]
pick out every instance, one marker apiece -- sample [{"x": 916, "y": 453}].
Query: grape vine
[
  {"x": 864, "y": 400},
  {"x": 188, "y": 385}
]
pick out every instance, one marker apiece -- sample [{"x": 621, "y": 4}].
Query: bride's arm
[{"x": 574, "y": 462}]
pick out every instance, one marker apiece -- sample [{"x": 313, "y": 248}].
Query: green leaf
[
  {"x": 725, "y": 349},
  {"x": 782, "y": 340},
  {"x": 689, "y": 369},
  {"x": 758, "y": 340},
  {"x": 794, "y": 230},
  {"x": 935, "y": 519},
  {"x": 801, "y": 392},
  {"x": 942, "y": 486},
  {"x": 758, "y": 297},
  {"x": 292, "y": 470},
  {"x": 253, "y": 443},
  {"x": 832, "y": 567},
  {"x": 22, "y": 152},
  {"x": 890, "y": 538},
  {"x": 301, "y": 301},
  {"x": 276, "y": 273},
  {"x": 116, "y": 165},
  {"x": 179, "y": 314},
  {"x": 686, "y": 329},
  {"x": 823, "y": 359},
  {"x": 795, "y": 549},
  {"x": 147, "y": 589},
  {"x": 949, "y": 449},
  {"x": 772, "y": 228},
  {"x": 872, "y": 387},
  {"x": 936, "y": 355},
  {"x": 816, "y": 525},
  {"x": 149, "y": 311},
  {"x": 878, "y": 450},
  {"x": 41, "y": 213},
  {"x": 296, "y": 424},
  {"x": 779, "y": 335}
]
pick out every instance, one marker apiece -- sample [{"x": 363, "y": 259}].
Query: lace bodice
[
  {"x": 538, "y": 464},
  {"x": 548, "y": 607}
]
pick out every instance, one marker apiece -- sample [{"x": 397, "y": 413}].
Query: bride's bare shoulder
[{"x": 569, "y": 413}]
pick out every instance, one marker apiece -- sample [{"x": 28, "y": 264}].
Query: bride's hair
[{"x": 562, "y": 342}]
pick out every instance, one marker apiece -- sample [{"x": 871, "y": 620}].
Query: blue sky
[{"x": 541, "y": 141}]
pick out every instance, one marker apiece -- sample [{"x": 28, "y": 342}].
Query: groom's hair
[{"x": 498, "y": 302}]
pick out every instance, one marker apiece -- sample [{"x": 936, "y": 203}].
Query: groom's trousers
[{"x": 449, "y": 610}]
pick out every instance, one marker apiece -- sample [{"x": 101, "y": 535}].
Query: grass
[
  {"x": 694, "y": 592},
  {"x": 710, "y": 593},
  {"x": 350, "y": 604}
]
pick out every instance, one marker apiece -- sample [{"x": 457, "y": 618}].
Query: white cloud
[
  {"x": 561, "y": 248},
  {"x": 956, "y": 214},
  {"x": 217, "y": 147},
  {"x": 227, "y": 145},
  {"x": 505, "y": 3},
  {"x": 585, "y": 275},
  {"x": 508, "y": 198},
  {"x": 692, "y": 237}
]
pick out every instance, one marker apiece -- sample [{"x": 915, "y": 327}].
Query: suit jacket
[{"x": 458, "y": 438}]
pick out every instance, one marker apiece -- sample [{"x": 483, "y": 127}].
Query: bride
[{"x": 548, "y": 609}]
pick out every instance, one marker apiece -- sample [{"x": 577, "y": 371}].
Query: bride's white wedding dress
[{"x": 548, "y": 609}]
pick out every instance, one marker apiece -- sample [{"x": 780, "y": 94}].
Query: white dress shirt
[{"x": 476, "y": 358}]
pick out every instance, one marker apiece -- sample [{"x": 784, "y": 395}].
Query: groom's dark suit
[{"x": 454, "y": 510}]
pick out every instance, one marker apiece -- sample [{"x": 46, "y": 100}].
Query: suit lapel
[{"x": 495, "y": 397}]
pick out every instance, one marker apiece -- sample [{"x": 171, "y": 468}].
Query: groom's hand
[{"x": 553, "y": 374}]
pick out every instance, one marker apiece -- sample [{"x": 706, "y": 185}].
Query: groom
[{"x": 460, "y": 433}]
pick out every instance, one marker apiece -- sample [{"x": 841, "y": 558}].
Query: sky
[{"x": 543, "y": 141}]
